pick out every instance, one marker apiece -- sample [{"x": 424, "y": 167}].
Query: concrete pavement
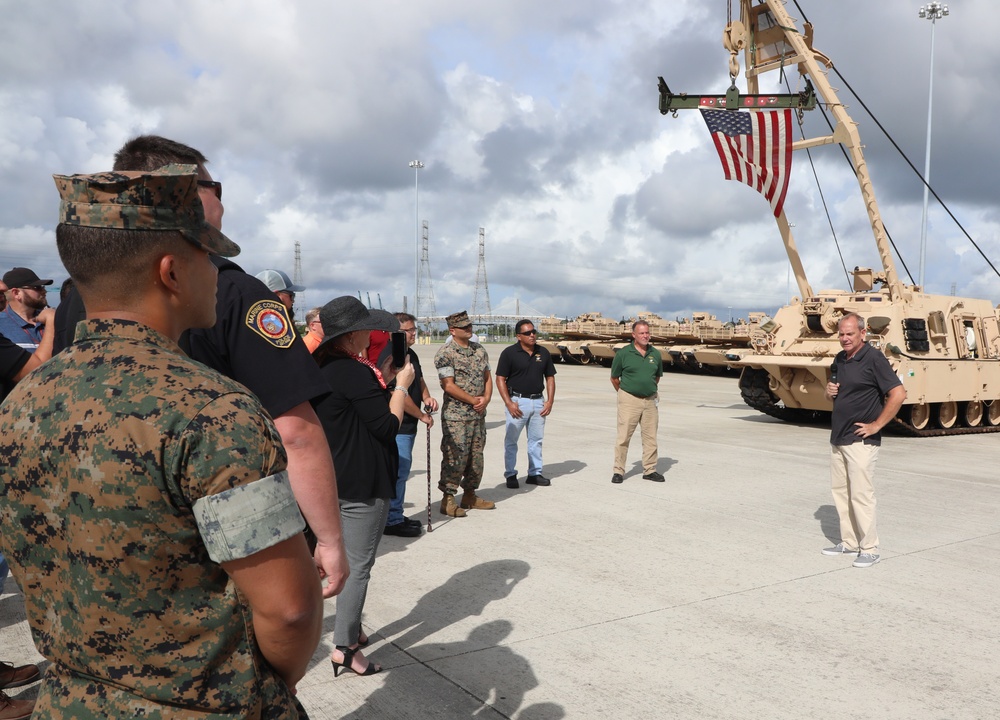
[{"x": 702, "y": 597}]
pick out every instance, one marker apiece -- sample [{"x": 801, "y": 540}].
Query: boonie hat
[
  {"x": 21, "y": 277},
  {"x": 458, "y": 320},
  {"x": 277, "y": 281},
  {"x": 347, "y": 314},
  {"x": 163, "y": 199}
]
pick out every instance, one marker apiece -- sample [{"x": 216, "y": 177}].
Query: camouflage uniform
[
  {"x": 130, "y": 472},
  {"x": 463, "y": 430}
]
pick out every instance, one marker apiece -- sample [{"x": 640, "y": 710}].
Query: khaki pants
[
  {"x": 852, "y": 470},
  {"x": 634, "y": 411}
]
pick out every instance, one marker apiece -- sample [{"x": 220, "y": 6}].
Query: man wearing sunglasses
[
  {"x": 253, "y": 342},
  {"x": 281, "y": 285},
  {"x": 26, "y": 298},
  {"x": 464, "y": 370},
  {"x": 523, "y": 371}
]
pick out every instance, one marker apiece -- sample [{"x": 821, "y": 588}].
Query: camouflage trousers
[{"x": 462, "y": 443}]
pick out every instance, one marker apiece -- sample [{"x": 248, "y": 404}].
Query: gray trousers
[{"x": 362, "y": 521}]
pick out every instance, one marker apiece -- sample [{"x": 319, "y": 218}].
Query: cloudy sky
[{"x": 536, "y": 121}]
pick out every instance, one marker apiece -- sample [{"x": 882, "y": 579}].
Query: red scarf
[{"x": 369, "y": 363}]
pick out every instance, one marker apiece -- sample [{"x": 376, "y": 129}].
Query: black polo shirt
[
  {"x": 525, "y": 374},
  {"x": 864, "y": 380},
  {"x": 415, "y": 391},
  {"x": 254, "y": 342},
  {"x": 12, "y": 359}
]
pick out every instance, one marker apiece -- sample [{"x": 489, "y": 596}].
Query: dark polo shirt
[
  {"x": 12, "y": 359},
  {"x": 525, "y": 374},
  {"x": 864, "y": 380}
]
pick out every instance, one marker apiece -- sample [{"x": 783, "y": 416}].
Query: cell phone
[{"x": 398, "y": 340}]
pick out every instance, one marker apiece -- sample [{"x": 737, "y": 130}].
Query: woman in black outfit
[{"x": 361, "y": 418}]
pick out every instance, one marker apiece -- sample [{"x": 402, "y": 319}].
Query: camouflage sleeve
[
  {"x": 444, "y": 363},
  {"x": 243, "y": 520},
  {"x": 232, "y": 471}
]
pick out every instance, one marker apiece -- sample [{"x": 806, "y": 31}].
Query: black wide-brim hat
[{"x": 348, "y": 314}]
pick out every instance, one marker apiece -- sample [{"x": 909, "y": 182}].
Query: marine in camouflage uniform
[
  {"x": 463, "y": 365},
  {"x": 131, "y": 473}
]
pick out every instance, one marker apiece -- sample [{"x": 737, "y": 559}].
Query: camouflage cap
[
  {"x": 164, "y": 199},
  {"x": 458, "y": 320}
]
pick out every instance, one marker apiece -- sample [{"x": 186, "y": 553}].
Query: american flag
[{"x": 755, "y": 148}]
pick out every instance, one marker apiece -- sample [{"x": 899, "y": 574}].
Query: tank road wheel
[
  {"x": 993, "y": 413},
  {"x": 972, "y": 413},
  {"x": 919, "y": 415},
  {"x": 947, "y": 414}
]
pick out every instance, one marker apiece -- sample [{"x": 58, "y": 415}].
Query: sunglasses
[
  {"x": 215, "y": 185},
  {"x": 528, "y": 332},
  {"x": 36, "y": 288}
]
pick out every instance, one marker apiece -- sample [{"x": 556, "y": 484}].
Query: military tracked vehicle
[{"x": 945, "y": 349}]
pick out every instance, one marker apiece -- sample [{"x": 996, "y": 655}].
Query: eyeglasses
[
  {"x": 409, "y": 330},
  {"x": 465, "y": 327},
  {"x": 528, "y": 332},
  {"x": 215, "y": 185}
]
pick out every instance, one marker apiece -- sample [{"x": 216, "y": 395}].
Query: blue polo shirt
[{"x": 23, "y": 333}]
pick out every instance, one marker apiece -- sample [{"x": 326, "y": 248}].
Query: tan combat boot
[
  {"x": 449, "y": 508},
  {"x": 471, "y": 501}
]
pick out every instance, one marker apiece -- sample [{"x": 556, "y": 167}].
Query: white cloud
[{"x": 537, "y": 122}]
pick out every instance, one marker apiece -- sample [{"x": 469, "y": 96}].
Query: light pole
[
  {"x": 932, "y": 11},
  {"x": 416, "y": 165}
]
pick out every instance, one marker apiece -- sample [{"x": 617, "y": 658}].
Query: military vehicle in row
[
  {"x": 945, "y": 349},
  {"x": 702, "y": 344}
]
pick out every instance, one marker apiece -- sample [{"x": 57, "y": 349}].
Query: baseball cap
[
  {"x": 20, "y": 277},
  {"x": 163, "y": 199},
  {"x": 277, "y": 281}
]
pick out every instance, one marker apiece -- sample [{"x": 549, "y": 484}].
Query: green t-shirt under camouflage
[
  {"x": 130, "y": 473},
  {"x": 469, "y": 367}
]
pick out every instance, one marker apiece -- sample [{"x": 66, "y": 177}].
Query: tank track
[
  {"x": 902, "y": 426},
  {"x": 757, "y": 394}
]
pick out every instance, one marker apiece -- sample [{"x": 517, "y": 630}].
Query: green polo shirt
[{"x": 637, "y": 373}]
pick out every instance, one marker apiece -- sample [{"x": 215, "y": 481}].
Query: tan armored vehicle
[{"x": 945, "y": 349}]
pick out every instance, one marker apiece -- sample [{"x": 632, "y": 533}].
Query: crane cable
[{"x": 907, "y": 159}]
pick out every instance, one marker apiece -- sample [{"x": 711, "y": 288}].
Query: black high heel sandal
[{"x": 348, "y": 659}]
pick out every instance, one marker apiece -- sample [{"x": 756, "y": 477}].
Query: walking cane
[{"x": 427, "y": 409}]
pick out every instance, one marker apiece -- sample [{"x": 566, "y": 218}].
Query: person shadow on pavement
[
  {"x": 465, "y": 594},
  {"x": 663, "y": 466},
  {"x": 495, "y": 689},
  {"x": 829, "y": 522}
]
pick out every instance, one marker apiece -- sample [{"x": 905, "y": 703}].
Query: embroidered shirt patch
[{"x": 269, "y": 319}]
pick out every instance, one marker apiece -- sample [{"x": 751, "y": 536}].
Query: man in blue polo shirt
[
  {"x": 26, "y": 298},
  {"x": 635, "y": 375},
  {"x": 866, "y": 395}
]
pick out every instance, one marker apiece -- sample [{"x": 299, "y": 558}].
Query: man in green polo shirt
[{"x": 635, "y": 373}]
